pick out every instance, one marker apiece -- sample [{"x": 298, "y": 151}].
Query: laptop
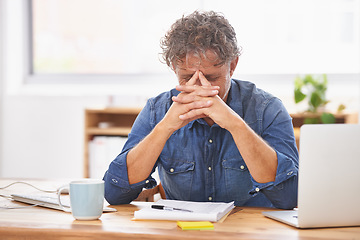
[
  {"x": 49, "y": 202},
  {"x": 329, "y": 178}
]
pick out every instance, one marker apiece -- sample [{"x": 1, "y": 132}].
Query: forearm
[
  {"x": 142, "y": 158},
  {"x": 260, "y": 158}
]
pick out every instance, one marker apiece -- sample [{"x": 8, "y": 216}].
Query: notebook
[
  {"x": 177, "y": 210},
  {"x": 48, "y": 201},
  {"x": 329, "y": 178}
]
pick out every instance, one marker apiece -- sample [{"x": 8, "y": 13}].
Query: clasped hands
[{"x": 198, "y": 101}]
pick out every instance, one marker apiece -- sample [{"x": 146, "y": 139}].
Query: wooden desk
[{"x": 243, "y": 223}]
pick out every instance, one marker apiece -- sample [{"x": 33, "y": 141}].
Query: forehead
[{"x": 193, "y": 62}]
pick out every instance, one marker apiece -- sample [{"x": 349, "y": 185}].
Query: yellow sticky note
[{"x": 203, "y": 225}]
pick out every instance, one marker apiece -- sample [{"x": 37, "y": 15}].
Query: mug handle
[{"x": 64, "y": 208}]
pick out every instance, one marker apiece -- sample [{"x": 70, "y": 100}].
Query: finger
[
  {"x": 197, "y": 105},
  {"x": 185, "y": 98},
  {"x": 185, "y": 118},
  {"x": 192, "y": 88},
  {"x": 193, "y": 79},
  {"x": 203, "y": 80},
  {"x": 193, "y": 114}
]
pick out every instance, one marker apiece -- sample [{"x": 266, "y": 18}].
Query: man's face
[{"x": 216, "y": 75}]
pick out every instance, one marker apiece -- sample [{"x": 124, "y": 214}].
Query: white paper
[{"x": 201, "y": 211}]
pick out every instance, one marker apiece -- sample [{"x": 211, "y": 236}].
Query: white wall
[{"x": 43, "y": 136}]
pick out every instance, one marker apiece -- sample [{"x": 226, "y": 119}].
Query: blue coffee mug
[{"x": 86, "y": 198}]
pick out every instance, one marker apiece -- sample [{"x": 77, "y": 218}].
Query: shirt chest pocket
[
  {"x": 237, "y": 179},
  {"x": 176, "y": 177}
]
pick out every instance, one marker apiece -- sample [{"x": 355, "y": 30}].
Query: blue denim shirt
[{"x": 202, "y": 163}]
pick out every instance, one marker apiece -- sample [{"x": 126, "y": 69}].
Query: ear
[{"x": 233, "y": 65}]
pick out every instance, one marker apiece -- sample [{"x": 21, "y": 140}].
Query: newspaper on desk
[{"x": 200, "y": 211}]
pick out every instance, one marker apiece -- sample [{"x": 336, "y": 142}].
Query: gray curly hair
[{"x": 198, "y": 33}]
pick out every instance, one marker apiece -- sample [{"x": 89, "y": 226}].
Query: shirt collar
[{"x": 234, "y": 100}]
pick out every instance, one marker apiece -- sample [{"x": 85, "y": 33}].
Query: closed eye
[
  {"x": 212, "y": 79},
  {"x": 187, "y": 77}
]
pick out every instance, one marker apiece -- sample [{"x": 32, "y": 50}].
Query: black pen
[{"x": 162, "y": 207}]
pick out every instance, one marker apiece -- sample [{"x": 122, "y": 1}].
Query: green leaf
[
  {"x": 299, "y": 95},
  {"x": 311, "y": 120},
  {"x": 328, "y": 118},
  {"x": 298, "y": 82},
  {"x": 315, "y": 100},
  {"x": 341, "y": 108},
  {"x": 309, "y": 79}
]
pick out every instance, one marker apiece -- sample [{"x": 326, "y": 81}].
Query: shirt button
[
  {"x": 242, "y": 167},
  {"x": 114, "y": 180},
  {"x": 210, "y": 198},
  {"x": 147, "y": 181},
  {"x": 257, "y": 189},
  {"x": 172, "y": 170},
  {"x": 210, "y": 140},
  {"x": 289, "y": 173},
  {"x": 209, "y": 168}
]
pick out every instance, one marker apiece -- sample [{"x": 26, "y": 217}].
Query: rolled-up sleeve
[
  {"x": 283, "y": 191},
  {"x": 117, "y": 187},
  {"x": 278, "y": 133}
]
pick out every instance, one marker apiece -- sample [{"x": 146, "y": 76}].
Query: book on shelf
[
  {"x": 185, "y": 211},
  {"x": 102, "y": 150}
]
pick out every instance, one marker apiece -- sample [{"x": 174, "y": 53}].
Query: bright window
[
  {"x": 295, "y": 36},
  {"x": 101, "y": 36},
  {"x": 122, "y": 36}
]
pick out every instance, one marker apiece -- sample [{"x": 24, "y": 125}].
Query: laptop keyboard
[{"x": 40, "y": 200}]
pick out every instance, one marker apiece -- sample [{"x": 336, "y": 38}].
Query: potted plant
[{"x": 314, "y": 90}]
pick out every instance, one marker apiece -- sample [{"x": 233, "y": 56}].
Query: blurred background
[{"x": 60, "y": 57}]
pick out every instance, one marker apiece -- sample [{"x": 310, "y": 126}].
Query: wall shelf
[{"x": 119, "y": 120}]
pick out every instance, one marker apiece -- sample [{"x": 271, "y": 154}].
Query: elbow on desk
[
  {"x": 116, "y": 195},
  {"x": 287, "y": 206},
  {"x": 116, "y": 201},
  {"x": 290, "y": 199}
]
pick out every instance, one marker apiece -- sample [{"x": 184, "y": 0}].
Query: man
[{"x": 212, "y": 138}]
